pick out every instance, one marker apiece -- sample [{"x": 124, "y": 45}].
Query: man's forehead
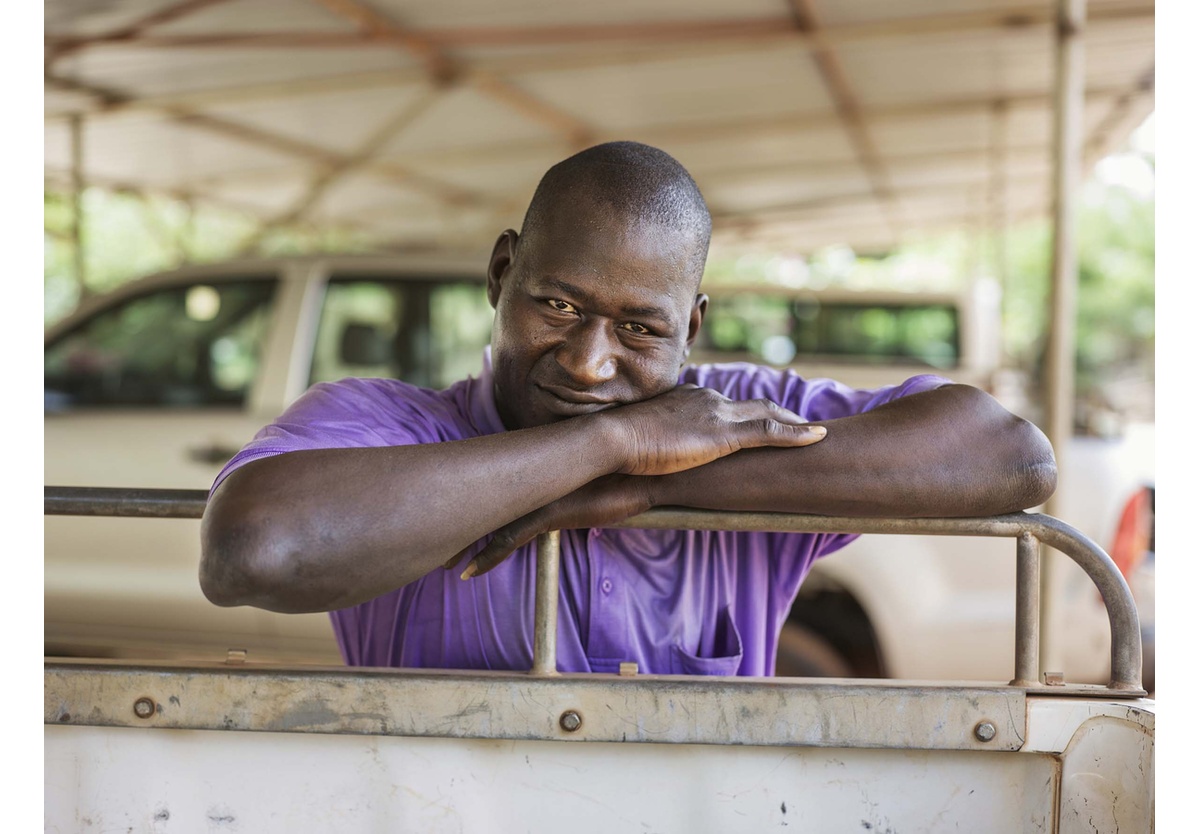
[
  {"x": 612, "y": 244},
  {"x": 635, "y": 277}
]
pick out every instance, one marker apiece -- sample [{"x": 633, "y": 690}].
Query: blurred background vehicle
[
  {"x": 161, "y": 383},
  {"x": 845, "y": 148}
]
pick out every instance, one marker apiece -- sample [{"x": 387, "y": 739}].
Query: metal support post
[
  {"x": 1028, "y": 593},
  {"x": 77, "y": 187},
  {"x": 545, "y": 606},
  {"x": 1060, "y": 353}
]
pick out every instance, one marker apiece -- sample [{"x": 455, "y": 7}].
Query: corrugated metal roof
[{"x": 805, "y": 122}]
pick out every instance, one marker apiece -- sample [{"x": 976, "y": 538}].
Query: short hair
[{"x": 638, "y": 181}]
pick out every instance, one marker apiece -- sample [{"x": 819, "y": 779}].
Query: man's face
[{"x": 592, "y": 312}]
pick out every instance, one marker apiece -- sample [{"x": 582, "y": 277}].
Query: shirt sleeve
[
  {"x": 812, "y": 399},
  {"x": 351, "y": 413}
]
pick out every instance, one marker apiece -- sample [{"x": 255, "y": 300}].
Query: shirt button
[
  {"x": 606, "y": 586},
  {"x": 595, "y": 532}
]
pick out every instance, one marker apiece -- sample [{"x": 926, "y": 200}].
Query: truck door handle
[{"x": 212, "y": 453}]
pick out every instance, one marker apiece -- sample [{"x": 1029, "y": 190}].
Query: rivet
[
  {"x": 985, "y": 731},
  {"x": 143, "y": 707}
]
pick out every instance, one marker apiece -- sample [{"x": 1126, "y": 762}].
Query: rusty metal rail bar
[
  {"x": 1027, "y": 528},
  {"x": 126, "y": 503}
]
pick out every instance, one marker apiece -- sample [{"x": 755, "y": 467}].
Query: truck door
[{"x": 154, "y": 390}]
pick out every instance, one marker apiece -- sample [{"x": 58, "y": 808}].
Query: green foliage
[
  {"x": 1115, "y": 322},
  {"x": 127, "y": 236}
]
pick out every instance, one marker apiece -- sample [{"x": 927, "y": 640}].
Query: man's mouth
[{"x": 568, "y": 402}]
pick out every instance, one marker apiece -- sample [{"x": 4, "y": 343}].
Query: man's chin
[{"x": 529, "y": 416}]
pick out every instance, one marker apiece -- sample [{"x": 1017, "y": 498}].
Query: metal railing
[{"x": 1028, "y": 529}]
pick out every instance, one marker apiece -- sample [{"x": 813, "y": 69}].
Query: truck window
[
  {"x": 424, "y": 332},
  {"x": 195, "y": 345},
  {"x": 779, "y": 330}
]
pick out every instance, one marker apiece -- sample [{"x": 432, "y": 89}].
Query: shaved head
[{"x": 635, "y": 182}]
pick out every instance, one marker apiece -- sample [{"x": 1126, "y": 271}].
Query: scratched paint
[{"x": 324, "y": 782}]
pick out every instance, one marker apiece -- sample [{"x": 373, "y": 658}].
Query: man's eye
[
  {"x": 561, "y": 306},
  {"x": 634, "y": 327}
]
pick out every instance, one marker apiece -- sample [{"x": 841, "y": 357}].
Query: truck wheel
[{"x": 805, "y": 654}]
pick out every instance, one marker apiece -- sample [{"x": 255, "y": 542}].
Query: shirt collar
[{"x": 481, "y": 399}]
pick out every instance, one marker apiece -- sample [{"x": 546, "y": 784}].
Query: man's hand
[
  {"x": 604, "y": 501},
  {"x": 684, "y": 428},
  {"x": 690, "y": 426}
]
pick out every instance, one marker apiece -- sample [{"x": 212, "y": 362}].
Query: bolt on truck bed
[{"x": 236, "y": 745}]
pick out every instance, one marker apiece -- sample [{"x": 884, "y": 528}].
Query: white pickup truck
[{"x": 158, "y": 384}]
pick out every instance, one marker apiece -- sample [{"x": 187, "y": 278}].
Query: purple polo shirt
[{"x": 673, "y": 601}]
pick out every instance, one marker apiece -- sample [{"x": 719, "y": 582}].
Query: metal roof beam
[
  {"x": 323, "y": 157},
  {"x": 330, "y": 176},
  {"x": 61, "y": 47},
  {"x": 720, "y": 41},
  {"x": 743, "y": 128},
  {"x": 444, "y": 69},
  {"x": 58, "y": 178},
  {"x": 375, "y": 32},
  {"x": 374, "y": 26},
  {"x": 1123, "y": 105},
  {"x": 767, "y": 29},
  {"x": 846, "y": 104}
]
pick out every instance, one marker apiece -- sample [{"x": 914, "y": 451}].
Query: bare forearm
[
  {"x": 324, "y": 529},
  {"x": 949, "y": 452}
]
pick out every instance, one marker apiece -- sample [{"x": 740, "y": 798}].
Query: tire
[{"x": 805, "y": 654}]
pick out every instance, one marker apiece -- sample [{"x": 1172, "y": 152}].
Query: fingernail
[
  {"x": 820, "y": 431},
  {"x": 471, "y": 570}
]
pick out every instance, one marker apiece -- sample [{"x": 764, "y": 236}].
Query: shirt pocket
[{"x": 726, "y": 654}]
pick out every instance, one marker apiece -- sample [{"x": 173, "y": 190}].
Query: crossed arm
[{"x": 325, "y": 529}]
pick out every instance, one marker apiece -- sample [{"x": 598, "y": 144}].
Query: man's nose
[{"x": 589, "y": 354}]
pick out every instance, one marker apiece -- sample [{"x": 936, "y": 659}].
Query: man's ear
[
  {"x": 699, "y": 307},
  {"x": 503, "y": 255}
]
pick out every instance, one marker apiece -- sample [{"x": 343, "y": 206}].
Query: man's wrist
[
  {"x": 610, "y": 433},
  {"x": 658, "y": 490}
]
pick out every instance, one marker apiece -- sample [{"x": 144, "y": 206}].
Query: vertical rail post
[
  {"x": 1028, "y": 610},
  {"x": 1060, "y": 354},
  {"x": 545, "y": 606},
  {"x": 77, "y": 187},
  {"x": 998, "y": 218}
]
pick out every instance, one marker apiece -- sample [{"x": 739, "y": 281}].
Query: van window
[
  {"x": 429, "y": 333},
  {"x": 195, "y": 345},
  {"x": 779, "y": 330}
]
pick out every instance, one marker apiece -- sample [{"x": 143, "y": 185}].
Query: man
[{"x": 586, "y": 414}]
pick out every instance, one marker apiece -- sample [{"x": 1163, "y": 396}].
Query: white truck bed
[{"x": 240, "y": 746}]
